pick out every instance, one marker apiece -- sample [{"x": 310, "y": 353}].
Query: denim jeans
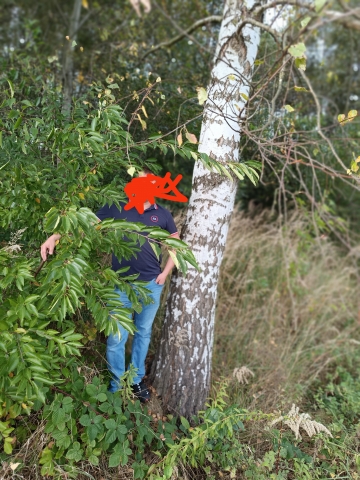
[{"x": 115, "y": 349}]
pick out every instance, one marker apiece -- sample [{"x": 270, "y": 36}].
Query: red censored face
[{"x": 146, "y": 188}]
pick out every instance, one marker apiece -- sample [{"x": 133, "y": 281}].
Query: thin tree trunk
[
  {"x": 181, "y": 370},
  {"x": 68, "y": 63}
]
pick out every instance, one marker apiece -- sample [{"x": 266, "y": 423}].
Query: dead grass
[{"x": 287, "y": 308}]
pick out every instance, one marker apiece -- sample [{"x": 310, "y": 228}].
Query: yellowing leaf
[
  {"x": 37, "y": 200},
  {"x": 231, "y": 77},
  {"x": 85, "y": 3},
  {"x": 354, "y": 167},
  {"x": 341, "y": 118},
  {"x": 179, "y": 139},
  {"x": 81, "y": 195},
  {"x": 142, "y": 121},
  {"x": 300, "y": 63},
  {"x": 158, "y": 79},
  {"x": 191, "y": 137},
  {"x": 131, "y": 171},
  {"x": 300, "y": 89},
  {"x": 244, "y": 96},
  {"x": 20, "y": 330},
  {"x": 24, "y": 405},
  {"x": 258, "y": 62},
  {"x": 352, "y": 114},
  {"x": 174, "y": 259},
  {"x": 202, "y": 95},
  {"x": 289, "y": 108},
  {"x": 14, "y": 466},
  {"x": 144, "y": 110}
]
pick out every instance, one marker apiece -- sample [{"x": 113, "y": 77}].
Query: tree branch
[
  {"x": 262, "y": 26},
  {"x": 194, "y": 26},
  {"x": 178, "y": 28},
  {"x": 346, "y": 19}
]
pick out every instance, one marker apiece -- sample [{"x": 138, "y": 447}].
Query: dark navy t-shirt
[{"x": 145, "y": 263}]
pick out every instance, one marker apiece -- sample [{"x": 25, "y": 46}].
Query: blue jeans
[{"x": 115, "y": 349}]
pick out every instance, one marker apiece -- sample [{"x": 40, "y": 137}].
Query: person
[{"x": 148, "y": 268}]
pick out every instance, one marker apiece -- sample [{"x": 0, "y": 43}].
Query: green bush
[{"x": 54, "y": 171}]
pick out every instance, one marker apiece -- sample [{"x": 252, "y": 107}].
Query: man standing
[{"x": 147, "y": 266}]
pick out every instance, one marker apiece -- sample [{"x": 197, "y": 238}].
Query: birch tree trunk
[
  {"x": 68, "y": 63},
  {"x": 181, "y": 370}
]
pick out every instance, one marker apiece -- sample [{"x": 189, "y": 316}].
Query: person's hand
[
  {"x": 48, "y": 247},
  {"x": 160, "y": 279}
]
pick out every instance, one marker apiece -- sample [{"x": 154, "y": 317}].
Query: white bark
[{"x": 181, "y": 371}]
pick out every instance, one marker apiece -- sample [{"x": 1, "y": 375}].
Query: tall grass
[{"x": 288, "y": 308}]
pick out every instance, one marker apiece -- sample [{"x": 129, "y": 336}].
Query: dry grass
[{"x": 287, "y": 308}]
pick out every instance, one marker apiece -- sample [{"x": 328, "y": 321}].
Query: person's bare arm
[
  {"x": 160, "y": 279},
  {"x": 48, "y": 247}
]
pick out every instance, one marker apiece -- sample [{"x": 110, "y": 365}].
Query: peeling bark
[{"x": 181, "y": 370}]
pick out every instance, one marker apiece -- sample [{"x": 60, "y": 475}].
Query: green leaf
[
  {"x": 305, "y": 21},
  {"x": 114, "y": 460},
  {"x": 168, "y": 471},
  {"x": 319, "y": 4},
  {"x": 298, "y": 50},
  {"x": 185, "y": 423},
  {"x": 8, "y": 448},
  {"x": 11, "y": 87},
  {"x": 110, "y": 436},
  {"x": 85, "y": 420},
  {"x": 93, "y": 459},
  {"x": 101, "y": 397}
]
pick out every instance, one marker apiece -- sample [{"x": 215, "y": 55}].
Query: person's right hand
[{"x": 48, "y": 247}]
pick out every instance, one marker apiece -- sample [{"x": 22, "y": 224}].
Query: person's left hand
[{"x": 160, "y": 279}]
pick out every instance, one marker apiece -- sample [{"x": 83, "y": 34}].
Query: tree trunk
[
  {"x": 181, "y": 370},
  {"x": 68, "y": 64}
]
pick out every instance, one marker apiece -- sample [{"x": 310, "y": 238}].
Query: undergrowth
[
  {"x": 88, "y": 432},
  {"x": 287, "y": 310}
]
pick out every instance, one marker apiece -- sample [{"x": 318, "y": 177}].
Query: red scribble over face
[{"x": 144, "y": 189}]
